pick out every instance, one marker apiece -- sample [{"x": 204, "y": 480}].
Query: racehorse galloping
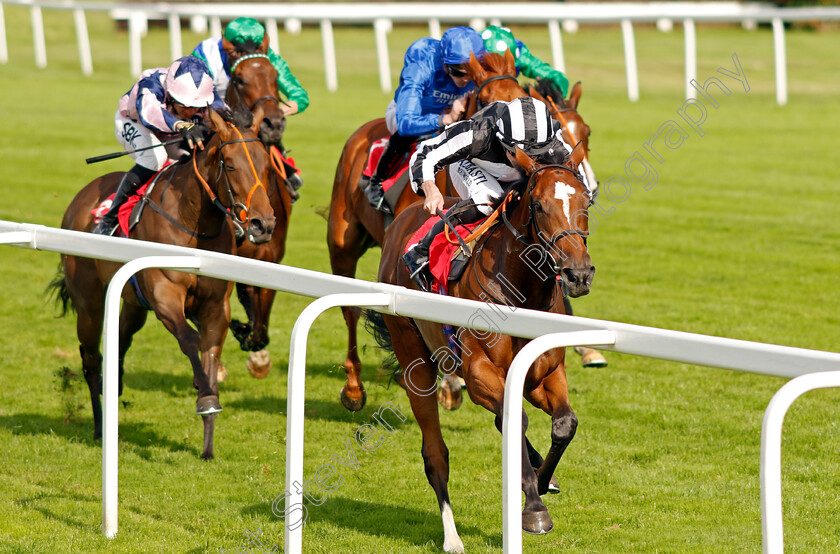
[
  {"x": 253, "y": 86},
  {"x": 551, "y": 217},
  {"x": 189, "y": 205},
  {"x": 354, "y": 225}
]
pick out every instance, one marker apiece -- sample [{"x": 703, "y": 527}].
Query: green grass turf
[{"x": 738, "y": 238}]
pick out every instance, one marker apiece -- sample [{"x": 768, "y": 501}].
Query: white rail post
[
  {"x": 781, "y": 60},
  {"x": 273, "y": 37},
  {"x": 512, "y": 424},
  {"x": 38, "y": 36},
  {"x": 176, "y": 48},
  {"x": 556, "y": 45},
  {"x": 690, "y": 57},
  {"x": 215, "y": 26},
  {"x": 630, "y": 60},
  {"x": 770, "y": 472},
  {"x": 381, "y": 28},
  {"x": 328, "y": 42},
  {"x": 111, "y": 378},
  {"x": 4, "y": 47},
  {"x": 295, "y": 397},
  {"x": 137, "y": 25},
  {"x": 434, "y": 29},
  {"x": 83, "y": 41}
]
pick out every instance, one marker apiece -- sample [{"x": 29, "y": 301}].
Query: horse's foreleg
[
  {"x": 243, "y": 331},
  {"x": 213, "y": 325},
  {"x": 259, "y": 361},
  {"x": 589, "y": 357},
  {"x": 553, "y": 397},
  {"x": 419, "y": 379}
]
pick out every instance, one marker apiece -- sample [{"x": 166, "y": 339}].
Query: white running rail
[{"x": 753, "y": 357}]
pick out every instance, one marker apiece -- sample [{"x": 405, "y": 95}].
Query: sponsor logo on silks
[
  {"x": 445, "y": 96},
  {"x": 130, "y": 133}
]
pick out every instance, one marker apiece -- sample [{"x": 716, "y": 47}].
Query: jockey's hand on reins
[{"x": 192, "y": 133}]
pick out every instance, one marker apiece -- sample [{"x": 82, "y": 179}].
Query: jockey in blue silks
[{"x": 433, "y": 80}]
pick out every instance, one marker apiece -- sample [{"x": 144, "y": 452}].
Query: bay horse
[
  {"x": 551, "y": 216},
  {"x": 565, "y": 111},
  {"x": 190, "y": 204},
  {"x": 354, "y": 226},
  {"x": 253, "y": 85}
]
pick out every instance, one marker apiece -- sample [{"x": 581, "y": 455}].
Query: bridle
[
  {"x": 236, "y": 81},
  {"x": 238, "y": 211},
  {"x": 478, "y": 103}
]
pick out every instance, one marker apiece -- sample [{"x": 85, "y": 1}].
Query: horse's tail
[
  {"x": 58, "y": 288},
  {"x": 375, "y": 325}
]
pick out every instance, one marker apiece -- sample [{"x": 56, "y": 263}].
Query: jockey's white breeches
[
  {"x": 132, "y": 135},
  {"x": 471, "y": 181}
]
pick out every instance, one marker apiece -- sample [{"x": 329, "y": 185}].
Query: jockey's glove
[{"x": 190, "y": 131}]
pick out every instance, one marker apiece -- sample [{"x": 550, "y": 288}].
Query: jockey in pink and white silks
[
  {"x": 480, "y": 155},
  {"x": 163, "y": 103}
]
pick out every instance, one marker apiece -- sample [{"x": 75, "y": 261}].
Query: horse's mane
[
  {"x": 548, "y": 89},
  {"x": 492, "y": 61}
]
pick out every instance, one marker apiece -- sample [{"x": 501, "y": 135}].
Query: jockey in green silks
[{"x": 498, "y": 39}]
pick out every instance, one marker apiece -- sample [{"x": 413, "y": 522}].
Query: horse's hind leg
[
  {"x": 419, "y": 379},
  {"x": 347, "y": 243},
  {"x": 89, "y": 331},
  {"x": 132, "y": 319}
]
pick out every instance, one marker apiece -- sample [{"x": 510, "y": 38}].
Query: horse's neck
[
  {"x": 516, "y": 276},
  {"x": 194, "y": 203}
]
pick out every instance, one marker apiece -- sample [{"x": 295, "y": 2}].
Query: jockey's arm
[
  {"x": 289, "y": 107},
  {"x": 433, "y": 199}
]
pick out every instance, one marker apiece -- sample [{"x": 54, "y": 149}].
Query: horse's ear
[
  {"x": 259, "y": 115},
  {"x": 510, "y": 63},
  {"x": 574, "y": 96},
  {"x": 476, "y": 71},
  {"x": 577, "y": 155},
  {"x": 528, "y": 164},
  {"x": 263, "y": 47},
  {"x": 218, "y": 124}
]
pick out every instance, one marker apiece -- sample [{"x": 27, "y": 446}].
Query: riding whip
[{"x": 113, "y": 155}]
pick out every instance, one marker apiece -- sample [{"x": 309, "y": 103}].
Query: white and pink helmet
[{"x": 189, "y": 83}]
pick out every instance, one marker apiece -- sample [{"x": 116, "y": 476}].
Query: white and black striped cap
[{"x": 526, "y": 123}]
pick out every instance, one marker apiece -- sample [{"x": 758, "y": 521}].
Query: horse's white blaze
[
  {"x": 564, "y": 192},
  {"x": 451, "y": 540}
]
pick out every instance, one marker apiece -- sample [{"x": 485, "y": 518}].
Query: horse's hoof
[
  {"x": 589, "y": 357},
  {"x": 259, "y": 364},
  {"x": 221, "y": 373},
  {"x": 351, "y": 404},
  {"x": 207, "y": 405},
  {"x": 449, "y": 393},
  {"x": 553, "y": 485},
  {"x": 536, "y": 523}
]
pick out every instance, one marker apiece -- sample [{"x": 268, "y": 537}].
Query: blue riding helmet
[{"x": 457, "y": 43}]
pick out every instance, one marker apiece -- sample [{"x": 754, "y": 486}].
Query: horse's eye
[
  {"x": 229, "y": 167},
  {"x": 538, "y": 207}
]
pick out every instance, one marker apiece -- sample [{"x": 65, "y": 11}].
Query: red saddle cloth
[
  {"x": 125, "y": 209},
  {"x": 441, "y": 251},
  {"x": 376, "y": 150}
]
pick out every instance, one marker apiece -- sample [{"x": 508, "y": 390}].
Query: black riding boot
[
  {"x": 416, "y": 260},
  {"x": 131, "y": 181},
  {"x": 397, "y": 146}
]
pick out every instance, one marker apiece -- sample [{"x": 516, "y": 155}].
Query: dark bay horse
[
  {"x": 190, "y": 205},
  {"x": 354, "y": 225},
  {"x": 551, "y": 218},
  {"x": 253, "y": 85}
]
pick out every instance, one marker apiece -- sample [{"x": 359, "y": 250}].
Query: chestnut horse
[
  {"x": 253, "y": 85},
  {"x": 189, "y": 205},
  {"x": 551, "y": 218},
  {"x": 565, "y": 111},
  {"x": 354, "y": 225}
]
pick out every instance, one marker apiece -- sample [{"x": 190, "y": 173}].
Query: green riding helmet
[{"x": 498, "y": 39}]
